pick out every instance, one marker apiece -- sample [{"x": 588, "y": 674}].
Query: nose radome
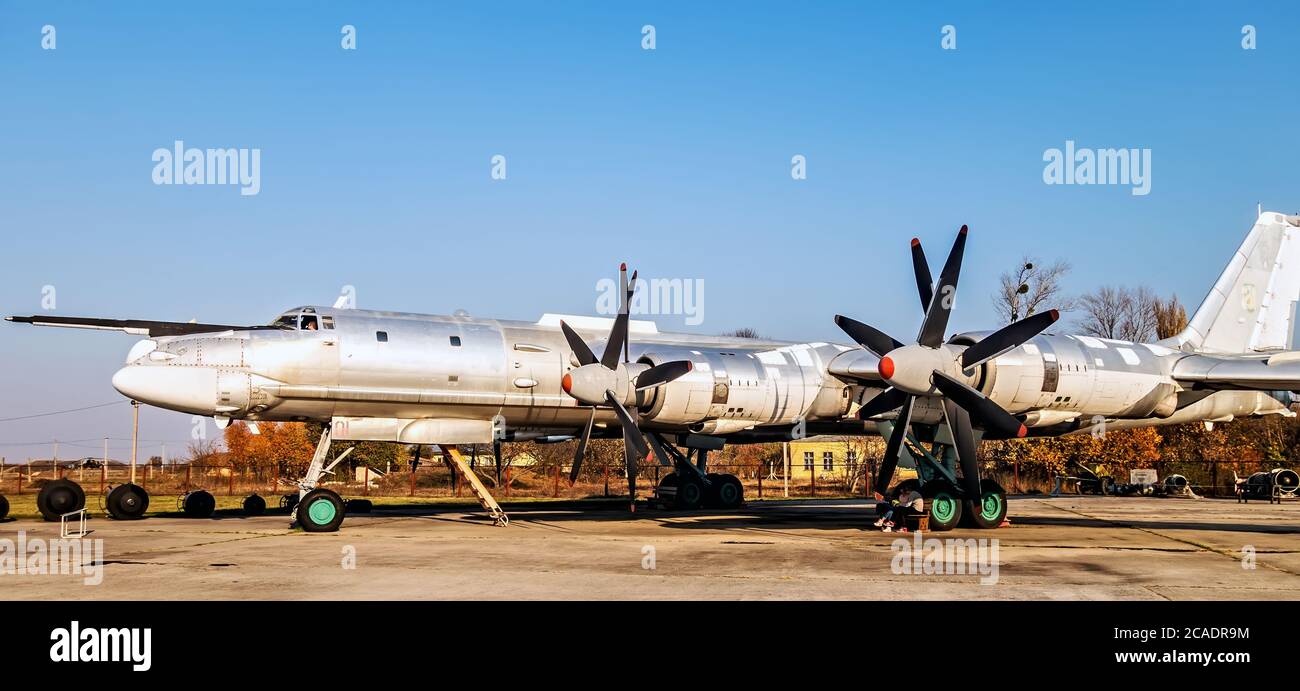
[{"x": 186, "y": 389}]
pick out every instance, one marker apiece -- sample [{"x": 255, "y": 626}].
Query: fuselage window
[
  {"x": 455, "y": 341},
  {"x": 309, "y": 322},
  {"x": 381, "y": 336},
  {"x": 327, "y": 323}
]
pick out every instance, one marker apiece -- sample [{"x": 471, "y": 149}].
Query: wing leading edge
[{"x": 139, "y": 327}]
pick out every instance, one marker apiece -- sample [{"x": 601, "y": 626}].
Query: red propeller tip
[
  {"x": 963, "y": 230},
  {"x": 916, "y": 241},
  {"x": 1020, "y": 433},
  {"x": 690, "y": 366},
  {"x": 567, "y": 383},
  {"x": 622, "y": 267},
  {"x": 1055, "y": 315},
  {"x": 886, "y": 367}
]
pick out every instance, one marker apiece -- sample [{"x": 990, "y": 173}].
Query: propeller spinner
[{"x": 933, "y": 368}]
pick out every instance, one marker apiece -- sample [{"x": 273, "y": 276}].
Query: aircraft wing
[
  {"x": 139, "y": 327},
  {"x": 1280, "y": 372}
]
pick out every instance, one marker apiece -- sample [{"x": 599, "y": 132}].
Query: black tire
[
  {"x": 199, "y": 504},
  {"x": 667, "y": 491},
  {"x": 690, "y": 492},
  {"x": 321, "y": 511},
  {"x": 58, "y": 497},
  {"x": 360, "y": 506},
  {"x": 728, "y": 490},
  {"x": 4, "y": 507},
  {"x": 944, "y": 507},
  {"x": 289, "y": 502},
  {"x": 127, "y": 502},
  {"x": 989, "y": 511},
  {"x": 254, "y": 505}
]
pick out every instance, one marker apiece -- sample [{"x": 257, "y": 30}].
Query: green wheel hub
[
  {"x": 322, "y": 511},
  {"x": 990, "y": 506},
  {"x": 943, "y": 507}
]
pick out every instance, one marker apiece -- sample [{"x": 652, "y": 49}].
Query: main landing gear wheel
[
  {"x": 127, "y": 502},
  {"x": 199, "y": 504},
  {"x": 945, "y": 509},
  {"x": 690, "y": 492},
  {"x": 58, "y": 497},
  {"x": 726, "y": 491},
  {"x": 990, "y": 510},
  {"x": 321, "y": 511},
  {"x": 254, "y": 505}
]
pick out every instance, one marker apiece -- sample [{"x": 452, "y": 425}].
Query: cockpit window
[
  {"x": 286, "y": 321},
  {"x": 309, "y": 322}
]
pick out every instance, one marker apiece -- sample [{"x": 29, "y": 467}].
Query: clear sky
[{"x": 375, "y": 162}]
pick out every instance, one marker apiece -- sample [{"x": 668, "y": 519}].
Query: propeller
[
  {"x": 615, "y": 383},
  {"x": 933, "y": 368}
]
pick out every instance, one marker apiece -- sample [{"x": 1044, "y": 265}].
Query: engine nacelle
[{"x": 685, "y": 400}]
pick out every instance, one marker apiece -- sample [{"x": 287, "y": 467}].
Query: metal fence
[{"x": 433, "y": 479}]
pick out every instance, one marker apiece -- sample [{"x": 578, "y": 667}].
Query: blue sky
[{"x": 375, "y": 162}]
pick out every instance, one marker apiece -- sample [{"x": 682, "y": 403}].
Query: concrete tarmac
[{"x": 1066, "y": 548}]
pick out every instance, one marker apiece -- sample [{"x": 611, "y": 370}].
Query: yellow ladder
[{"x": 457, "y": 461}]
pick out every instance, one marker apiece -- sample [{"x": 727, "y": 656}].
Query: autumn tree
[
  {"x": 1120, "y": 313},
  {"x": 1031, "y": 288},
  {"x": 1170, "y": 316}
]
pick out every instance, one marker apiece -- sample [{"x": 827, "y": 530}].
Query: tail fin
[{"x": 1252, "y": 307}]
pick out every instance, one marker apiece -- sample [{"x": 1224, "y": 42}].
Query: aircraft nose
[{"x": 187, "y": 389}]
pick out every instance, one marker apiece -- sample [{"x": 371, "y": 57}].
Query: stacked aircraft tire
[
  {"x": 4, "y": 507},
  {"x": 59, "y": 497},
  {"x": 127, "y": 502},
  {"x": 254, "y": 505},
  {"x": 198, "y": 504}
]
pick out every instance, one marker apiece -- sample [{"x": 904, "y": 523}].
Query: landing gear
[
  {"x": 683, "y": 492},
  {"x": 58, "y": 497},
  {"x": 127, "y": 502},
  {"x": 321, "y": 511},
  {"x": 945, "y": 508},
  {"x": 254, "y": 505},
  {"x": 289, "y": 502},
  {"x": 198, "y": 504},
  {"x": 990, "y": 509},
  {"x": 725, "y": 491}
]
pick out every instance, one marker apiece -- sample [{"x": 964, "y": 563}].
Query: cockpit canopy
[{"x": 304, "y": 319}]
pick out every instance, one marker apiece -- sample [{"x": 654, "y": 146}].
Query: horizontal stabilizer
[{"x": 1209, "y": 372}]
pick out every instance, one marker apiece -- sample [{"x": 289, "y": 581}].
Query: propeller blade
[
  {"x": 1007, "y": 338},
  {"x": 662, "y": 374},
  {"x": 994, "y": 417},
  {"x": 894, "y": 447},
  {"x": 630, "y": 459},
  {"x": 579, "y": 346},
  {"x": 582, "y": 448},
  {"x": 940, "y": 307},
  {"x": 964, "y": 439},
  {"x": 658, "y": 445},
  {"x": 628, "y": 291},
  {"x": 884, "y": 402},
  {"x": 631, "y": 433},
  {"x": 868, "y": 337},
  {"x": 924, "y": 282},
  {"x": 614, "y": 347}
]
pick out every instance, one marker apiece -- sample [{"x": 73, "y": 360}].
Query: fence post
[
  {"x": 367, "y": 481},
  {"x": 412, "y": 482},
  {"x": 556, "y": 491},
  {"x": 607, "y": 480},
  {"x": 20, "y": 479},
  {"x": 1214, "y": 478},
  {"x": 103, "y": 477},
  {"x": 813, "y": 474},
  {"x": 1016, "y": 465},
  {"x": 760, "y": 482}
]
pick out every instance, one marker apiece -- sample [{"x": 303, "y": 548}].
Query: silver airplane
[{"x": 450, "y": 380}]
